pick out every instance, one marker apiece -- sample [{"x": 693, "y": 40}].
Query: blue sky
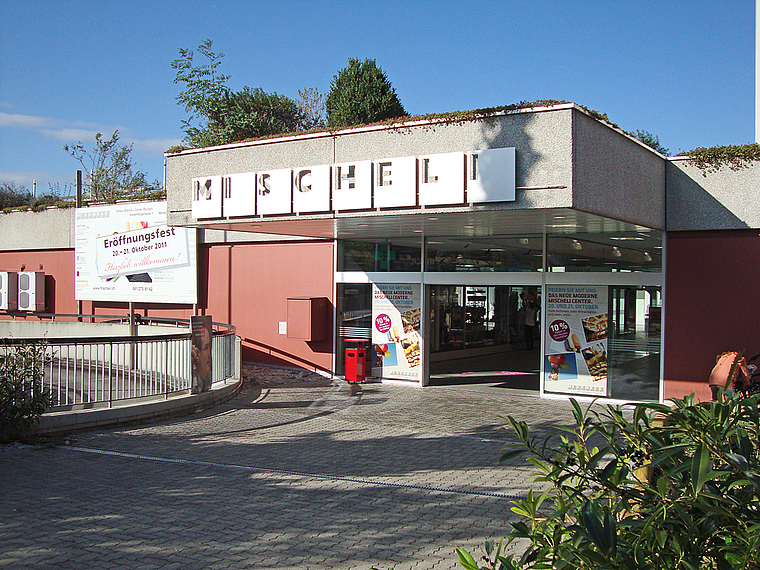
[{"x": 68, "y": 69}]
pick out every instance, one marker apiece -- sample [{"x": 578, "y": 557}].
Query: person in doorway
[
  {"x": 530, "y": 311},
  {"x": 719, "y": 376}
]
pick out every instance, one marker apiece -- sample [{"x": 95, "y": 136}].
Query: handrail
[
  {"x": 110, "y": 318},
  {"x": 98, "y": 371}
]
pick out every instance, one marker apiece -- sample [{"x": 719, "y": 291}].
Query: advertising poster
[
  {"x": 126, "y": 252},
  {"x": 575, "y": 360},
  {"x": 200, "y": 353},
  {"x": 396, "y": 339}
]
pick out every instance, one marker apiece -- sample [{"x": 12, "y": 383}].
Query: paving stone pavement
[{"x": 297, "y": 472}]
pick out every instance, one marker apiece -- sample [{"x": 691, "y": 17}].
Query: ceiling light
[
  {"x": 524, "y": 241},
  {"x": 647, "y": 257},
  {"x": 577, "y": 245},
  {"x": 628, "y": 238},
  {"x": 616, "y": 252},
  {"x": 432, "y": 219}
]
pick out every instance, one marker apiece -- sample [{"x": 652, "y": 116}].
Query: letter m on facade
[{"x": 202, "y": 190}]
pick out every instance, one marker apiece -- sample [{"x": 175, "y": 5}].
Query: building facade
[{"x": 538, "y": 249}]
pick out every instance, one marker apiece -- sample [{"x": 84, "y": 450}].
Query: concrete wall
[
  {"x": 53, "y": 228},
  {"x": 57, "y": 329},
  {"x": 722, "y": 200},
  {"x": 543, "y": 142},
  {"x": 615, "y": 176}
]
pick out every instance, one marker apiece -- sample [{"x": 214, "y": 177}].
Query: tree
[
  {"x": 204, "y": 87},
  {"x": 361, "y": 94},
  {"x": 109, "y": 167},
  {"x": 656, "y": 486},
  {"x": 12, "y": 196},
  {"x": 252, "y": 113},
  {"x": 312, "y": 107},
  {"x": 652, "y": 141},
  {"x": 224, "y": 115}
]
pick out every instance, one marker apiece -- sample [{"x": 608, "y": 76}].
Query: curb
[{"x": 60, "y": 423}]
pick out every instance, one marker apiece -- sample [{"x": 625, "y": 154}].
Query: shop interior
[{"x": 485, "y": 335}]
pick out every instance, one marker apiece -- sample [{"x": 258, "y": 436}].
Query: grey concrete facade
[
  {"x": 53, "y": 228},
  {"x": 613, "y": 175},
  {"x": 564, "y": 159},
  {"x": 725, "y": 199}
]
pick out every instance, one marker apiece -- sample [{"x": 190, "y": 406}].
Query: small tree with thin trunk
[{"x": 109, "y": 168}]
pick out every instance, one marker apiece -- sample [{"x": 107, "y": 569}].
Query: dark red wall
[
  {"x": 711, "y": 304},
  {"x": 58, "y": 266},
  {"x": 246, "y": 285}
]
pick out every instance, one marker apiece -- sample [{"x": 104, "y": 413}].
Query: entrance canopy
[{"x": 578, "y": 237}]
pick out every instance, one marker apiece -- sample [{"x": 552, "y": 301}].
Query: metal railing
[{"x": 84, "y": 372}]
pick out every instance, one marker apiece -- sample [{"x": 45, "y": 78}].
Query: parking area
[{"x": 298, "y": 471}]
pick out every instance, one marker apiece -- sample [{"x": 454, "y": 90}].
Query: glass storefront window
[
  {"x": 466, "y": 317},
  {"x": 633, "y": 252},
  {"x": 513, "y": 254},
  {"x": 634, "y": 343},
  {"x": 354, "y": 319},
  {"x": 372, "y": 256}
]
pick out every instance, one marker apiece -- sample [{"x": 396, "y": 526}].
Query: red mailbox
[{"x": 356, "y": 359}]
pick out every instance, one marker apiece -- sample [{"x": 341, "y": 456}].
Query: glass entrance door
[{"x": 483, "y": 334}]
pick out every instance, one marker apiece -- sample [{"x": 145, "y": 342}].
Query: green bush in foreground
[
  {"x": 22, "y": 398},
  {"x": 660, "y": 488}
]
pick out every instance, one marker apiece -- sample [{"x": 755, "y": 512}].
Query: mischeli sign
[{"x": 402, "y": 182}]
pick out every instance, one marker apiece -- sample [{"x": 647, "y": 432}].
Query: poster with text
[
  {"x": 126, "y": 252},
  {"x": 201, "y": 344},
  {"x": 396, "y": 338},
  {"x": 575, "y": 358}
]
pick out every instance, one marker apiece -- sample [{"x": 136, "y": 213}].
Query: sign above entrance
[{"x": 402, "y": 182}]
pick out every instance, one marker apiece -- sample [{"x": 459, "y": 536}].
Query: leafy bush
[
  {"x": 659, "y": 487},
  {"x": 12, "y": 196},
  {"x": 22, "y": 397}
]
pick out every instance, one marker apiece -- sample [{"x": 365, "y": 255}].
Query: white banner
[
  {"x": 126, "y": 252},
  {"x": 141, "y": 250}
]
